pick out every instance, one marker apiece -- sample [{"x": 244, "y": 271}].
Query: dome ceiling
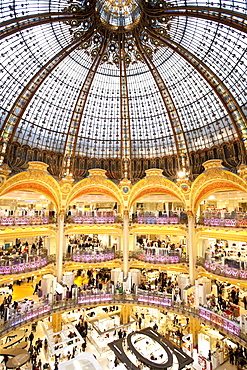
[{"x": 125, "y": 81}]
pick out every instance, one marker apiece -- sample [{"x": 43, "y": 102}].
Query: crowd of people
[{"x": 84, "y": 244}]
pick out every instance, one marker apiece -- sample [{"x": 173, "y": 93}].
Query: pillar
[
  {"x": 125, "y": 314},
  {"x": 191, "y": 248},
  {"x": 126, "y": 243},
  {"x": 48, "y": 244},
  {"x": 194, "y": 330},
  {"x": 59, "y": 247},
  {"x": 119, "y": 243},
  {"x": 57, "y": 322},
  {"x": 52, "y": 244},
  {"x": 131, "y": 242}
]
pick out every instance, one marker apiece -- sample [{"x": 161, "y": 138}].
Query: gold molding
[{"x": 155, "y": 183}]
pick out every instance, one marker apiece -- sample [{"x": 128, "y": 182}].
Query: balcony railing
[
  {"x": 223, "y": 270},
  {"x": 93, "y": 257},
  {"x": 26, "y": 220},
  {"x": 94, "y": 218},
  {"x": 160, "y": 301},
  {"x": 169, "y": 258},
  {"x": 17, "y": 267},
  {"x": 223, "y": 222},
  {"x": 149, "y": 218}
]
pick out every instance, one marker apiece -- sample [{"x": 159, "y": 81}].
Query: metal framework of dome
[{"x": 123, "y": 85}]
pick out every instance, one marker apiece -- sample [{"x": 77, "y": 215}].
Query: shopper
[
  {"x": 245, "y": 302},
  {"x": 31, "y": 337},
  {"x": 140, "y": 322},
  {"x": 231, "y": 355}
]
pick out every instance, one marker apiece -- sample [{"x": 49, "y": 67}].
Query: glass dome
[
  {"x": 119, "y": 13},
  {"x": 79, "y": 89}
]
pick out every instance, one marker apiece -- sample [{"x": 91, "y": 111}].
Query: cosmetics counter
[
  {"x": 104, "y": 326},
  {"x": 218, "y": 345}
]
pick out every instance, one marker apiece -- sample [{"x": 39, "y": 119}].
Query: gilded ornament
[{"x": 66, "y": 187}]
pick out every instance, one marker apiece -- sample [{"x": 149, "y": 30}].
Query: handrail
[
  {"x": 104, "y": 256},
  {"x": 171, "y": 257},
  {"x": 26, "y": 220},
  {"x": 23, "y": 267},
  {"x": 45, "y": 308},
  {"x": 222, "y": 222},
  {"x": 222, "y": 270},
  {"x": 150, "y": 218}
]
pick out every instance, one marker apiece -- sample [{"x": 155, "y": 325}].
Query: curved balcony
[
  {"x": 150, "y": 218},
  {"x": 94, "y": 218},
  {"x": 26, "y": 220},
  {"x": 223, "y": 270},
  {"x": 42, "y": 309},
  {"x": 15, "y": 266},
  {"x": 165, "y": 258},
  {"x": 93, "y": 257},
  {"x": 223, "y": 222}
]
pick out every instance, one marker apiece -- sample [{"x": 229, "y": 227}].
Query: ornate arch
[
  {"x": 35, "y": 179},
  {"x": 96, "y": 183},
  {"x": 214, "y": 179},
  {"x": 155, "y": 183}
]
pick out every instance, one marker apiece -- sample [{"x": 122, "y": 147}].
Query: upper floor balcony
[
  {"x": 38, "y": 311},
  {"x": 17, "y": 265},
  {"x": 26, "y": 220},
  {"x": 93, "y": 257},
  {"x": 159, "y": 218},
  {"x": 225, "y": 219},
  {"x": 163, "y": 257},
  {"x": 93, "y": 217}
]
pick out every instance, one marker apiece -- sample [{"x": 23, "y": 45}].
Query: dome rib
[
  {"x": 181, "y": 145},
  {"x": 16, "y": 112},
  {"x": 23, "y": 23},
  {"x": 74, "y": 126},
  {"x": 222, "y": 16},
  {"x": 233, "y": 109}
]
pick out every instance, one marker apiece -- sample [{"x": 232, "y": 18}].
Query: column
[
  {"x": 65, "y": 245},
  {"x": 126, "y": 243},
  {"x": 57, "y": 322},
  {"x": 194, "y": 330},
  {"x": 125, "y": 314},
  {"x": 191, "y": 250},
  {"x": 119, "y": 242},
  {"x": 59, "y": 247},
  {"x": 47, "y": 245}
]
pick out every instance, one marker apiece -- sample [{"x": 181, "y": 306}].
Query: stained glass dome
[{"x": 124, "y": 85}]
